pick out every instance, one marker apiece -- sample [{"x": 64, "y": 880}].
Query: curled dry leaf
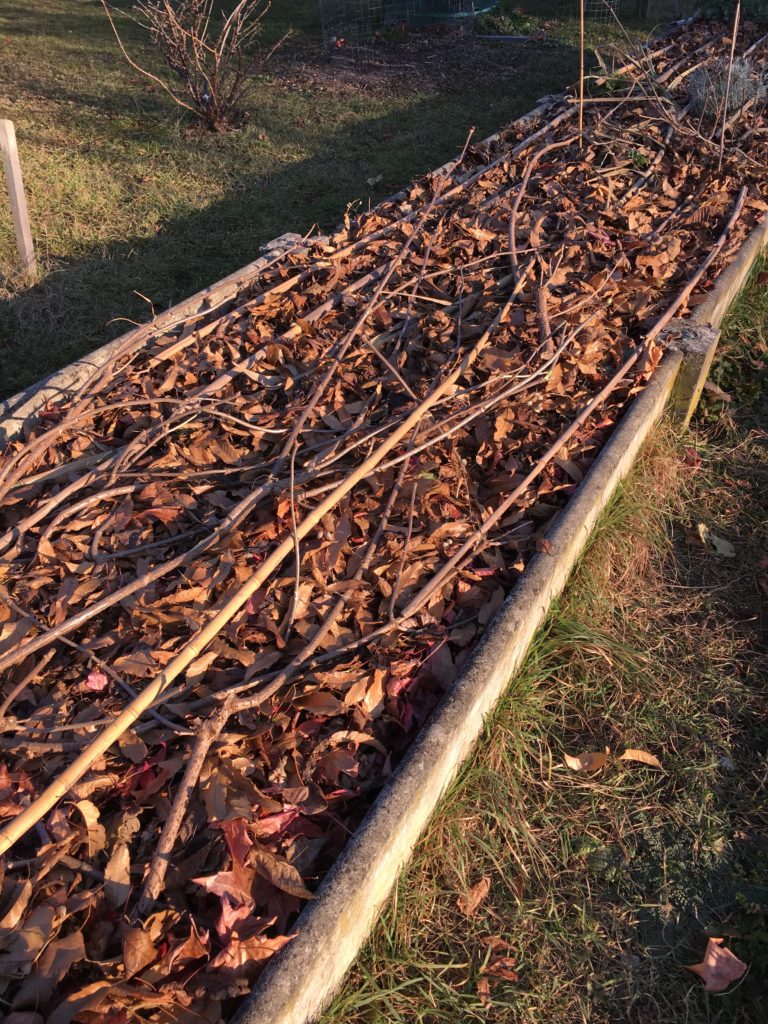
[
  {"x": 642, "y": 756},
  {"x": 484, "y": 991},
  {"x": 588, "y": 762},
  {"x": 720, "y": 968},
  {"x": 502, "y": 967},
  {"x": 711, "y": 540},
  {"x": 474, "y": 897}
]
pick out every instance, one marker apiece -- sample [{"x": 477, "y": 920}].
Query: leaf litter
[{"x": 276, "y": 533}]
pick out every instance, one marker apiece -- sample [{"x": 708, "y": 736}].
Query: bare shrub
[{"x": 214, "y": 61}]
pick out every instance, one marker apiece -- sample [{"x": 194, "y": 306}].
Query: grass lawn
[
  {"x": 604, "y": 886},
  {"x": 131, "y": 211}
]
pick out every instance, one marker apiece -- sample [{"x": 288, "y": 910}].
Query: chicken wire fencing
[
  {"x": 598, "y": 12},
  {"x": 354, "y": 27}
]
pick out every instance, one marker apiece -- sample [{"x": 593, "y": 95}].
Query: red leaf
[
  {"x": 96, "y": 681},
  {"x": 719, "y": 968}
]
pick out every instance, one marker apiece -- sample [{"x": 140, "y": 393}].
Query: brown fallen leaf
[
  {"x": 469, "y": 903},
  {"x": 502, "y": 967},
  {"x": 640, "y": 755},
  {"x": 719, "y": 968},
  {"x": 588, "y": 762},
  {"x": 138, "y": 950},
  {"x": 483, "y": 991},
  {"x": 281, "y": 874},
  {"x": 117, "y": 876}
]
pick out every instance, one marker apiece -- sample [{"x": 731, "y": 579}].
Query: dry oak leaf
[
  {"x": 719, "y": 968},
  {"x": 469, "y": 903},
  {"x": 588, "y": 762},
  {"x": 640, "y": 755},
  {"x": 281, "y": 874}
]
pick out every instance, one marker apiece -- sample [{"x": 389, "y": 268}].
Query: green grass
[
  {"x": 132, "y": 212},
  {"x": 605, "y": 887}
]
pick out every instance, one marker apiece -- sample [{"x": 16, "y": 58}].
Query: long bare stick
[
  {"x": 581, "y": 74},
  {"x": 208, "y": 733},
  {"x": 736, "y": 17}
]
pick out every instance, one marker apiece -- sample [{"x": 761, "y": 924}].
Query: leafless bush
[
  {"x": 212, "y": 71},
  {"x": 708, "y": 87}
]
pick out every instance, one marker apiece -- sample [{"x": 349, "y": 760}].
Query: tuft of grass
[{"x": 605, "y": 886}]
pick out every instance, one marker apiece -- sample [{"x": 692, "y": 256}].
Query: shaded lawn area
[
  {"x": 603, "y": 887},
  {"x": 131, "y": 211}
]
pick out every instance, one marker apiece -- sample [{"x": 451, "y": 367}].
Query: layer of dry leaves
[{"x": 128, "y": 512}]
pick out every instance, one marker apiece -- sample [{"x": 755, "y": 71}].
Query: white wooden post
[{"x": 18, "y": 199}]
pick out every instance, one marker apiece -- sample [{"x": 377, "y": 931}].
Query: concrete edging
[{"x": 301, "y": 980}]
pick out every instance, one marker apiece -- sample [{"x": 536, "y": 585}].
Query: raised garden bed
[{"x": 307, "y": 511}]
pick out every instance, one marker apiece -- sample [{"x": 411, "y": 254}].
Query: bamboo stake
[
  {"x": 581, "y": 74},
  {"x": 736, "y": 17}
]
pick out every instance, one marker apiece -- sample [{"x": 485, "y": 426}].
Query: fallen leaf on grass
[
  {"x": 483, "y": 991},
  {"x": 589, "y": 762},
  {"x": 692, "y": 458},
  {"x": 469, "y": 903},
  {"x": 719, "y": 968},
  {"x": 722, "y": 547},
  {"x": 642, "y": 756},
  {"x": 502, "y": 967},
  {"x": 717, "y": 392}
]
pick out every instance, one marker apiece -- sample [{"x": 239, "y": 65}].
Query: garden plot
[{"x": 241, "y": 565}]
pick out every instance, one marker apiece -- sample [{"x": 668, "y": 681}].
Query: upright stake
[
  {"x": 18, "y": 200},
  {"x": 581, "y": 75},
  {"x": 736, "y": 17}
]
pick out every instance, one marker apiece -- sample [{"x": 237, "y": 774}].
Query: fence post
[{"x": 16, "y": 195}]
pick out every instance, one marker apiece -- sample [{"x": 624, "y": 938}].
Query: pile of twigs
[{"x": 240, "y": 566}]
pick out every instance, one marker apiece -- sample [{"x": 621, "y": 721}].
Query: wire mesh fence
[
  {"x": 599, "y": 12},
  {"x": 354, "y": 27}
]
